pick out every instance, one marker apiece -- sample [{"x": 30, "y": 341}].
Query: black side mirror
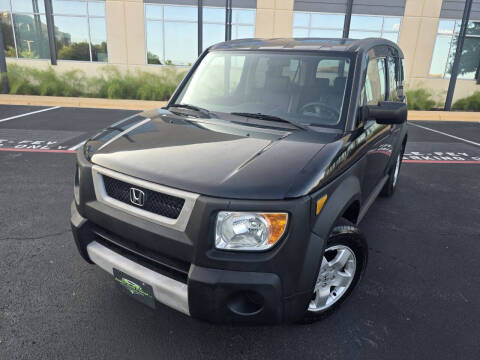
[{"x": 386, "y": 112}]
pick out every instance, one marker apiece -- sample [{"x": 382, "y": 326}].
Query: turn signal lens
[
  {"x": 277, "y": 223},
  {"x": 320, "y": 203},
  {"x": 245, "y": 231}
]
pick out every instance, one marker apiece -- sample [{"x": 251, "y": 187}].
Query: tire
[
  {"x": 343, "y": 236},
  {"x": 392, "y": 182}
]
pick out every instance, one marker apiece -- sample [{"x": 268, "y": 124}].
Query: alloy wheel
[{"x": 334, "y": 278}]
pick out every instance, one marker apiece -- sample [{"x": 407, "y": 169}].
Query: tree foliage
[{"x": 470, "y": 59}]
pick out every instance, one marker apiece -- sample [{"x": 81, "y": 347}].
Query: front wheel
[{"x": 343, "y": 263}]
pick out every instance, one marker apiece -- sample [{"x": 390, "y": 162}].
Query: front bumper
[
  {"x": 214, "y": 295},
  {"x": 166, "y": 290},
  {"x": 211, "y": 294}
]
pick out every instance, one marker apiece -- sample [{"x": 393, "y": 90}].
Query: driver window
[
  {"x": 375, "y": 82},
  {"x": 393, "y": 80}
]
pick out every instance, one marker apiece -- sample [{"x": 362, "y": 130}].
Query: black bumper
[{"x": 214, "y": 295}]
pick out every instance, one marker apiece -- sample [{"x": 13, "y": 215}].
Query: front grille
[{"x": 155, "y": 202}]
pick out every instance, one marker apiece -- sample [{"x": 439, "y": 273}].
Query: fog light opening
[{"x": 246, "y": 303}]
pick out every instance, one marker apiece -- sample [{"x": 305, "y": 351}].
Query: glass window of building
[
  {"x": 167, "y": 26},
  {"x": 309, "y": 24},
  {"x": 243, "y": 25},
  {"x": 445, "y": 47},
  {"x": 24, "y": 29},
  {"x": 364, "y": 26},
  {"x": 80, "y": 30}
]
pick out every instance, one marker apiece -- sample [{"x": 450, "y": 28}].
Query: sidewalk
[
  {"x": 80, "y": 102},
  {"x": 145, "y": 105}
]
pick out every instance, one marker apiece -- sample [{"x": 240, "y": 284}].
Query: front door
[{"x": 379, "y": 139}]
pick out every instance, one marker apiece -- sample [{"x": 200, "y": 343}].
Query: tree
[
  {"x": 7, "y": 35},
  {"x": 153, "y": 59},
  {"x": 74, "y": 51},
  {"x": 470, "y": 59}
]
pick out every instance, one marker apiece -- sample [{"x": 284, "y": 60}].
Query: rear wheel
[
  {"x": 343, "y": 263},
  {"x": 391, "y": 184}
]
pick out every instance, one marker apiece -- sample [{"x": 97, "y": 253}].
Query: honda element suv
[{"x": 239, "y": 201}]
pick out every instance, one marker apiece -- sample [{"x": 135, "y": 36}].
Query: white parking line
[
  {"x": 29, "y": 113},
  {"x": 75, "y": 147},
  {"x": 441, "y": 132}
]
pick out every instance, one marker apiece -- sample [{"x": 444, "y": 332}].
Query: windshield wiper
[
  {"x": 191, "y": 107},
  {"x": 270, "y": 118}
]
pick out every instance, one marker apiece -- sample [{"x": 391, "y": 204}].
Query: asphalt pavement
[{"x": 419, "y": 298}]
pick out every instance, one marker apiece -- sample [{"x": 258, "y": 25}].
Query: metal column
[
  {"x": 458, "y": 54},
  {"x": 3, "y": 64},
  {"x": 477, "y": 73},
  {"x": 200, "y": 26},
  {"x": 228, "y": 20},
  {"x": 51, "y": 31},
  {"x": 348, "y": 18}
]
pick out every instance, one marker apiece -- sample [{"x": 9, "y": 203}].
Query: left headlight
[{"x": 249, "y": 231}]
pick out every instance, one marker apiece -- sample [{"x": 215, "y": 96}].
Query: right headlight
[{"x": 249, "y": 231}]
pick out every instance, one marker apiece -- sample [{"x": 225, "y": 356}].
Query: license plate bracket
[{"x": 135, "y": 288}]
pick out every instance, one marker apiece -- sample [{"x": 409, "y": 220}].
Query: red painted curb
[
  {"x": 39, "y": 150},
  {"x": 405, "y": 161},
  {"x": 442, "y": 161}
]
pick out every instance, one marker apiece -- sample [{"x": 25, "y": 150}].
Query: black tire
[
  {"x": 392, "y": 182},
  {"x": 347, "y": 234}
]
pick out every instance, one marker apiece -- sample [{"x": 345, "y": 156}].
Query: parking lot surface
[{"x": 419, "y": 298}]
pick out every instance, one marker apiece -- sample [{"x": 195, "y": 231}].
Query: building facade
[{"x": 152, "y": 34}]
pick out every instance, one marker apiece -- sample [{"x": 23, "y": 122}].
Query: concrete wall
[
  {"x": 274, "y": 18},
  {"x": 92, "y": 68}
]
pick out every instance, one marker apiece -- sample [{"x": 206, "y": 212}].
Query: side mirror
[{"x": 386, "y": 112}]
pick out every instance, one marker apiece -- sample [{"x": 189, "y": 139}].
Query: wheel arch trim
[{"x": 339, "y": 200}]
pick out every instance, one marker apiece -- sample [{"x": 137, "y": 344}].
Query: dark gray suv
[{"x": 239, "y": 201}]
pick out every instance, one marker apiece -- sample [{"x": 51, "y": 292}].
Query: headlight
[
  {"x": 76, "y": 186},
  {"x": 246, "y": 231}
]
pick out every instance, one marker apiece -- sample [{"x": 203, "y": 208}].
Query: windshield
[{"x": 298, "y": 87}]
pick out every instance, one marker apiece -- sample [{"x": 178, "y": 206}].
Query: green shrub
[
  {"x": 28, "y": 81},
  {"x": 420, "y": 99},
  {"x": 471, "y": 102},
  {"x": 111, "y": 83}
]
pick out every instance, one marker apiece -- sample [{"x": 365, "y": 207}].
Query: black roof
[{"x": 315, "y": 44}]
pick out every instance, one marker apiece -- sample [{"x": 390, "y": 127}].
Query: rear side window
[{"x": 375, "y": 81}]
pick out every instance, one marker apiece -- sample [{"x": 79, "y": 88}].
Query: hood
[{"x": 208, "y": 156}]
